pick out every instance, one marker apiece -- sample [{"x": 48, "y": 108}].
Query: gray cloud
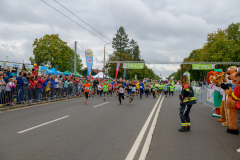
[{"x": 165, "y": 30}]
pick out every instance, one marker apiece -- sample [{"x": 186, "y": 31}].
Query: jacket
[{"x": 187, "y": 92}]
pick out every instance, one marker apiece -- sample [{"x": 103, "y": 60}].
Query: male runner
[
  {"x": 141, "y": 87},
  {"x": 129, "y": 91},
  {"x": 121, "y": 91},
  {"x": 133, "y": 89},
  {"x": 86, "y": 87},
  {"x": 115, "y": 86},
  {"x": 105, "y": 90}
]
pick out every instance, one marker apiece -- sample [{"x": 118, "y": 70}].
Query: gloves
[{"x": 225, "y": 86}]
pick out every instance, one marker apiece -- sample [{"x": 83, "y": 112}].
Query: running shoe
[{"x": 85, "y": 102}]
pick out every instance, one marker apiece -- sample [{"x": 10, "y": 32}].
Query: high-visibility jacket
[{"x": 187, "y": 91}]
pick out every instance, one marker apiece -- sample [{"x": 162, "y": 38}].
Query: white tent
[{"x": 99, "y": 75}]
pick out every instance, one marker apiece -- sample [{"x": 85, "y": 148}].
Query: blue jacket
[{"x": 19, "y": 80}]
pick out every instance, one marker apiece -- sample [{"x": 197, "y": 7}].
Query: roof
[{"x": 94, "y": 70}]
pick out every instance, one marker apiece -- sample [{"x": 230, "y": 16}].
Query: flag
[
  {"x": 89, "y": 60},
  {"x": 117, "y": 68}
]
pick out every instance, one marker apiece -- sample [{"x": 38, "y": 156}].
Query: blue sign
[{"x": 89, "y": 60}]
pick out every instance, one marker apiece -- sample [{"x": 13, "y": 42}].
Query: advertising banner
[
  {"x": 203, "y": 66},
  {"x": 210, "y": 95},
  {"x": 197, "y": 90},
  {"x": 178, "y": 88},
  {"x": 117, "y": 68},
  {"x": 133, "y": 65},
  {"x": 89, "y": 60}
]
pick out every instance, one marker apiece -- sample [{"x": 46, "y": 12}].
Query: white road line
[
  {"x": 100, "y": 104},
  {"x": 147, "y": 143},
  {"x": 137, "y": 142},
  {"x": 43, "y": 124}
]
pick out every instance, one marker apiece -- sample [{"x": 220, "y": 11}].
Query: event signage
[
  {"x": 203, "y": 66},
  {"x": 210, "y": 95},
  {"x": 89, "y": 60},
  {"x": 197, "y": 90},
  {"x": 133, "y": 65},
  {"x": 117, "y": 68},
  {"x": 178, "y": 88}
]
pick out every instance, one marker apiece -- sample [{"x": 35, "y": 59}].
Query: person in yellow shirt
[
  {"x": 137, "y": 87},
  {"x": 47, "y": 88}
]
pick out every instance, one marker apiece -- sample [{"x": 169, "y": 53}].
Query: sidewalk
[{"x": 206, "y": 140}]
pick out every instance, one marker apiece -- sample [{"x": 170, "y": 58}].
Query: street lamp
[{"x": 104, "y": 57}]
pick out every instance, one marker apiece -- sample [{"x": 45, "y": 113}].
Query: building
[{"x": 93, "y": 73}]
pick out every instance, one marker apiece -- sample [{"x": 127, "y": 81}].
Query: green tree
[
  {"x": 52, "y": 48},
  {"x": 120, "y": 43}
]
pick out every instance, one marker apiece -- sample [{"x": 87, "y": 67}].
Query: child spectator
[{"x": 9, "y": 91}]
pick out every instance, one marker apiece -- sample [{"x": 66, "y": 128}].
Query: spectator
[
  {"x": 56, "y": 86},
  {"x": 25, "y": 88},
  {"x": 9, "y": 91},
  {"x": 38, "y": 87},
  {"x": 19, "y": 87},
  {"x": 31, "y": 94},
  {"x": 2, "y": 89}
]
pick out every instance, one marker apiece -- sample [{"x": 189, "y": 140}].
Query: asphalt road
[
  {"x": 73, "y": 130},
  {"x": 207, "y": 139},
  {"x": 105, "y": 130}
]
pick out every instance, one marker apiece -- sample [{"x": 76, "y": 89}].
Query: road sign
[{"x": 133, "y": 65}]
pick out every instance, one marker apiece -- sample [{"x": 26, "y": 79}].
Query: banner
[
  {"x": 210, "y": 95},
  {"x": 133, "y": 65},
  {"x": 178, "y": 88},
  {"x": 188, "y": 75},
  {"x": 117, "y": 68},
  {"x": 197, "y": 90},
  {"x": 203, "y": 66},
  {"x": 89, "y": 60}
]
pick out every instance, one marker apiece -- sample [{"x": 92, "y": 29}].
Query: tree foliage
[
  {"x": 127, "y": 51},
  {"x": 52, "y": 48},
  {"x": 221, "y": 46}
]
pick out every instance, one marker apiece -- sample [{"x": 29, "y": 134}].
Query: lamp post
[{"x": 104, "y": 57}]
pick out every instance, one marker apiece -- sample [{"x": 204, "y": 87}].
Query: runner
[
  {"x": 105, "y": 90},
  {"x": 147, "y": 87},
  {"x": 153, "y": 89},
  {"x": 133, "y": 89},
  {"x": 137, "y": 87},
  {"x": 129, "y": 91},
  {"x": 121, "y": 91},
  {"x": 110, "y": 88},
  {"x": 116, "y": 85},
  {"x": 86, "y": 87},
  {"x": 141, "y": 86}
]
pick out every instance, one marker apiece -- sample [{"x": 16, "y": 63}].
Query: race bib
[
  {"x": 141, "y": 87},
  {"x": 130, "y": 87},
  {"x": 86, "y": 88},
  {"x": 121, "y": 90}
]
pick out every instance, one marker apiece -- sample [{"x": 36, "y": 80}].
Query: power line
[
  {"x": 81, "y": 20},
  {"x": 73, "y": 20}
]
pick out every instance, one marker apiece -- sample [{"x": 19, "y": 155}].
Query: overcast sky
[{"x": 165, "y": 30}]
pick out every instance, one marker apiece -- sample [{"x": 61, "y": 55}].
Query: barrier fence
[
  {"x": 203, "y": 94},
  {"x": 22, "y": 94}
]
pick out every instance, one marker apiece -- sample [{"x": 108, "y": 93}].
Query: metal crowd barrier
[
  {"x": 22, "y": 94},
  {"x": 201, "y": 95}
]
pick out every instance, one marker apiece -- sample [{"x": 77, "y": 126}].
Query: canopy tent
[
  {"x": 67, "y": 73},
  {"x": 44, "y": 68},
  {"x": 99, "y": 75},
  {"x": 78, "y": 74},
  {"x": 49, "y": 71},
  {"x": 56, "y": 72}
]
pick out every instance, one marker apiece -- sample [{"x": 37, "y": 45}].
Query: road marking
[
  {"x": 100, "y": 104},
  {"x": 43, "y": 124},
  {"x": 137, "y": 142},
  {"x": 148, "y": 140}
]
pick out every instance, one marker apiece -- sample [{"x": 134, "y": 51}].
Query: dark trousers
[
  {"x": 147, "y": 92},
  {"x": 19, "y": 93},
  {"x": 120, "y": 96},
  {"x": 141, "y": 93},
  {"x": 165, "y": 93},
  {"x": 184, "y": 113}
]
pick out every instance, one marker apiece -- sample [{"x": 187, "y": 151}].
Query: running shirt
[
  {"x": 110, "y": 87},
  {"x": 121, "y": 89},
  {"x": 141, "y": 85},
  {"x": 99, "y": 87},
  {"x": 154, "y": 88},
  {"x": 129, "y": 87},
  {"x": 147, "y": 86},
  {"x": 134, "y": 88},
  {"x": 86, "y": 87},
  {"x": 171, "y": 88},
  {"x": 165, "y": 88},
  {"x": 105, "y": 88},
  {"x": 115, "y": 86},
  {"x": 137, "y": 85}
]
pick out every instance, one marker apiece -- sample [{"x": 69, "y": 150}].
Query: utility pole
[
  {"x": 104, "y": 59},
  {"x": 75, "y": 57}
]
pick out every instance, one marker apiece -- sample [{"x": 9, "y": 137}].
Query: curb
[{"x": 36, "y": 103}]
